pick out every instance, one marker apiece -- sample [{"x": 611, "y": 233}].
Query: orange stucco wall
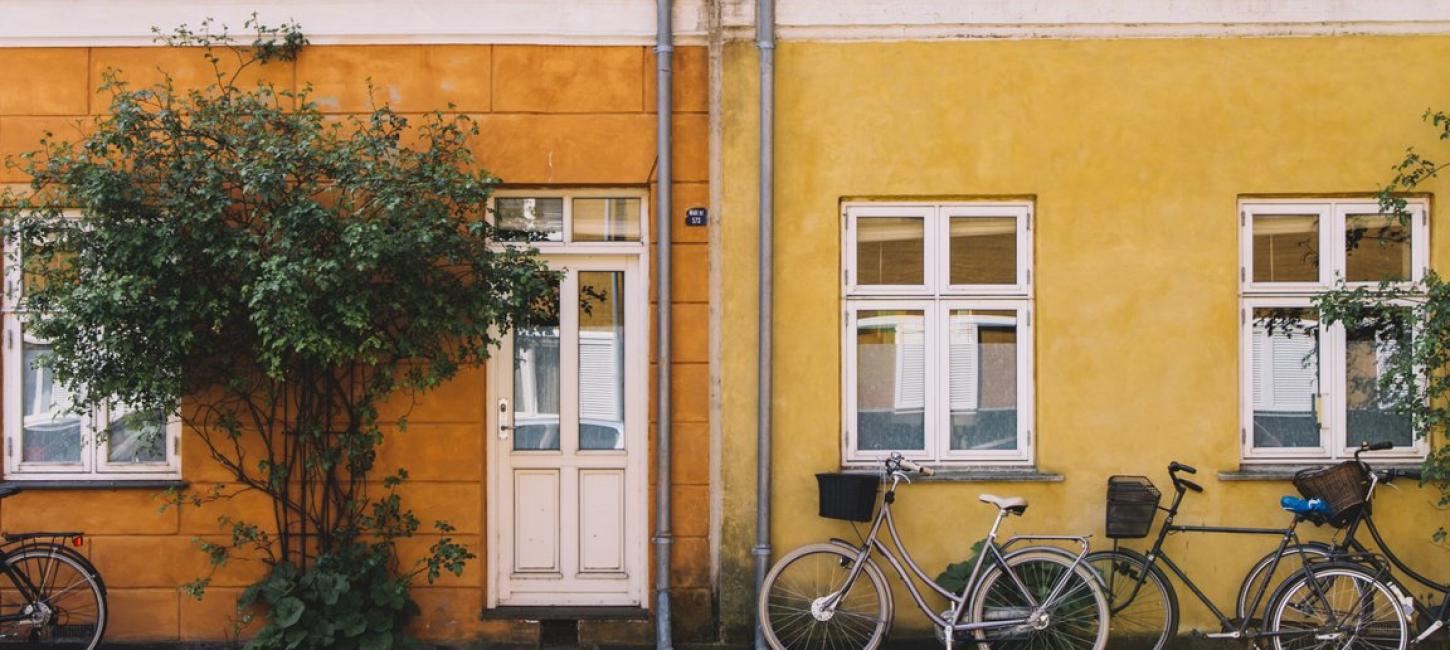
[{"x": 548, "y": 115}]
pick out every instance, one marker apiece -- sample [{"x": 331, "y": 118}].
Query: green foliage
[
  {"x": 954, "y": 577},
  {"x": 1409, "y": 320},
  {"x": 269, "y": 275}
]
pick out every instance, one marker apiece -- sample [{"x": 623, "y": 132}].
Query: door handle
[{"x": 505, "y": 418}]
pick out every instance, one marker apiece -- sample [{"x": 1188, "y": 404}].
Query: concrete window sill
[
  {"x": 139, "y": 484},
  {"x": 977, "y": 475},
  {"x": 1286, "y": 472}
]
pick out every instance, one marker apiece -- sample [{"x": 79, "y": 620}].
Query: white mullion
[
  {"x": 933, "y": 433},
  {"x": 1333, "y": 362},
  {"x": 569, "y": 362}
]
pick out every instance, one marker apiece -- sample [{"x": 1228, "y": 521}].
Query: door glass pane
[
  {"x": 51, "y": 433},
  {"x": 1286, "y": 248},
  {"x": 543, "y": 217},
  {"x": 1286, "y": 377},
  {"x": 1376, "y": 247},
  {"x": 1368, "y": 357},
  {"x": 890, "y": 380},
  {"x": 536, "y": 380},
  {"x": 982, "y": 378},
  {"x": 606, "y": 220},
  {"x": 136, "y": 437},
  {"x": 601, "y": 360},
  {"x": 983, "y": 250},
  {"x": 890, "y": 250}
]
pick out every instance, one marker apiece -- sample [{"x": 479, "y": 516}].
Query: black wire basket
[
  {"x": 851, "y": 497},
  {"x": 1132, "y": 506}
]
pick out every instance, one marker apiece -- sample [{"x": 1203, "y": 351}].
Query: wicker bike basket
[
  {"x": 851, "y": 497},
  {"x": 1343, "y": 487},
  {"x": 1132, "y": 506}
]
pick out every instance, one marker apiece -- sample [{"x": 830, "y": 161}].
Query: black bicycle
[
  {"x": 1348, "y": 604},
  {"x": 1348, "y": 490},
  {"x": 54, "y": 597}
]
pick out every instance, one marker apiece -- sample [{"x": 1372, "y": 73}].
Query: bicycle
[
  {"x": 1350, "y": 508},
  {"x": 55, "y": 597},
  {"x": 1033, "y": 596},
  {"x": 1144, "y": 604}
]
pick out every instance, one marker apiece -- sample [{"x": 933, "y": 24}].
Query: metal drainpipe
[
  {"x": 765, "y": 43},
  {"x": 664, "y": 88}
]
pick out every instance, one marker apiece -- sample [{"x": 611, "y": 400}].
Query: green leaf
[
  {"x": 287, "y": 612},
  {"x": 378, "y": 641}
]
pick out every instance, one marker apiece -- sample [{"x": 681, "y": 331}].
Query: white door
[{"x": 567, "y": 444}]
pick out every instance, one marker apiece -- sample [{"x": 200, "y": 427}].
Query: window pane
[
  {"x": 606, "y": 220},
  {"x": 1286, "y": 248},
  {"x": 1286, "y": 377},
  {"x": 1368, "y": 356},
  {"x": 601, "y": 360},
  {"x": 1376, "y": 247},
  {"x": 890, "y": 380},
  {"x": 50, "y": 433},
  {"x": 983, "y": 379},
  {"x": 136, "y": 437},
  {"x": 983, "y": 250},
  {"x": 890, "y": 250},
  {"x": 522, "y": 215},
  {"x": 536, "y": 380}
]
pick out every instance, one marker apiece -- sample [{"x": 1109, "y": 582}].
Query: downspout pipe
[
  {"x": 765, "y": 43},
  {"x": 664, "y": 91}
]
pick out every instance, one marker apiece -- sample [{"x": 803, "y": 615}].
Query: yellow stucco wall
[
  {"x": 549, "y": 116},
  {"x": 1136, "y": 152}
]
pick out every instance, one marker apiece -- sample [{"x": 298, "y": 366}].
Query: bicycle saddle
[
  {"x": 1306, "y": 506},
  {"x": 1014, "y": 505}
]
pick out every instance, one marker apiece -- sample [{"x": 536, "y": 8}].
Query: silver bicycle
[{"x": 834, "y": 595}]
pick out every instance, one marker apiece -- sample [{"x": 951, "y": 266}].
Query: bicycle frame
[
  {"x": 990, "y": 549},
  {"x": 1287, "y": 537},
  {"x": 1441, "y": 615}
]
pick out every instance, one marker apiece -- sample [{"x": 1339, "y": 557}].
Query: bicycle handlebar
[
  {"x": 914, "y": 467},
  {"x": 1176, "y": 466}
]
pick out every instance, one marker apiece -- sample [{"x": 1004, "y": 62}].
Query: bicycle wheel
[
  {"x": 792, "y": 607},
  {"x": 1076, "y": 619},
  {"x": 1336, "y": 606},
  {"x": 1259, "y": 575},
  {"x": 69, "y": 611},
  {"x": 1145, "y": 616}
]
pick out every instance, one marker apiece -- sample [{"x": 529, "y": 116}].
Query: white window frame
[
  {"x": 94, "y": 465},
  {"x": 568, "y": 246},
  {"x": 936, "y": 298},
  {"x": 1333, "y": 397}
]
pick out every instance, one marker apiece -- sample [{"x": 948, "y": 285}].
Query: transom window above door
[
  {"x": 1310, "y": 391},
  {"x": 937, "y": 344},
  {"x": 578, "y": 217}
]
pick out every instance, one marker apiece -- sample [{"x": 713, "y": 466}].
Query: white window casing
[
  {"x": 1282, "y": 384},
  {"x": 941, "y": 366}
]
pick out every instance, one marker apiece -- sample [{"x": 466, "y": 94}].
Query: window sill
[
  {"x": 1286, "y": 472},
  {"x": 979, "y": 474},
  {"x": 107, "y": 484}
]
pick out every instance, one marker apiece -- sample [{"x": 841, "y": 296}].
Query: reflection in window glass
[
  {"x": 890, "y": 380},
  {"x": 1376, "y": 247},
  {"x": 51, "y": 432},
  {"x": 890, "y": 250},
  {"x": 543, "y": 217},
  {"x": 1286, "y": 377},
  {"x": 983, "y": 379},
  {"x": 983, "y": 250},
  {"x": 136, "y": 437},
  {"x": 1370, "y": 416},
  {"x": 1286, "y": 248},
  {"x": 606, "y": 219},
  {"x": 536, "y": 380},
  {"x": 601, "y": 360}
]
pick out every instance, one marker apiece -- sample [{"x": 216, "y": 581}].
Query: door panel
[{"x": 567, "y": 434}]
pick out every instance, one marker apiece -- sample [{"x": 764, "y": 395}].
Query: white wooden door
[{"x": 567, "y": 445}]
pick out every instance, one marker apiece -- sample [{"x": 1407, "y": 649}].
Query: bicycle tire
[
  {"x": 1142, "y": 620},
  {"x": 63, "y": 627},
  {"x": 786, "y": 604},
  {"x": 1070, "y": 618},
  {"x": 1295, "y": 600},
  {"x": 1287, "y": 568}
]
